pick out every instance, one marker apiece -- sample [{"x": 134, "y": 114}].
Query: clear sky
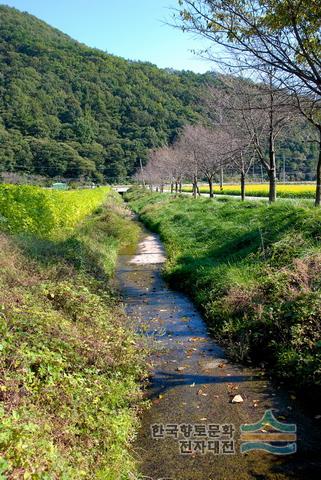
[{"x": 132, "y": 29}]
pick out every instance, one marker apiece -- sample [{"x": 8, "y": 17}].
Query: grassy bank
[
  {"x": 261, "y": 190},
  {"x": 254, "y": 269},
  {"x": 69, "y": 364}
]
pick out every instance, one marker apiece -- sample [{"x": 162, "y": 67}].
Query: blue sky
[{"x": 132, "y": 29}]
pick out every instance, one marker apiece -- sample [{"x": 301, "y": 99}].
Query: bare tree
[
  {"x": 242, "y": 158},
  {"x": 213, "y": 152},
  {"x": 309, "y": 106},
  {"x": 255, "y": 114},
  {"x": 283, "y": 35},
  {"x": 188, "y": 144},
  {"x": 178, "y": 165}
]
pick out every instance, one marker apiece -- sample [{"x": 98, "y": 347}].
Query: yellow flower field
[
  {"x": 262, "y": 189},
  {"x": 46, "y": 213}
]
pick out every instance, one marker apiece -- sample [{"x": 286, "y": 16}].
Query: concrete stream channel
[{"x": 196, "y": 433}]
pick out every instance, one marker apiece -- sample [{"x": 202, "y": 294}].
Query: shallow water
[{"x": 192, "y": 384}]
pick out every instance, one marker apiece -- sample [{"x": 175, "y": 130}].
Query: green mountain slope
[{"x": 70, "y": 110}]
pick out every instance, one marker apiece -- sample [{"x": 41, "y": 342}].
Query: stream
[{"x": 192, "y": 430}]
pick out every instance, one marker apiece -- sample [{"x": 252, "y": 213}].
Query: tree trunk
[
  {"x": 210, "y": 184},
  {"x": 195, "y": 187},
  {"x": 318, "y": 188},
  {"x": 142, "y": 173},
  {"x": 176, "y": 188},
  {"x": 221, "y": 179},
  {"x": 180, "y": 187},
  {"x": 242, "y": 185},
  {"x": 172, "y": 187},
  {"x": 162, "y": 188},
  {"x": 272, "y": 186},
  {"x": 272, "y": 162},
  {"x": 272, "y": 170}
]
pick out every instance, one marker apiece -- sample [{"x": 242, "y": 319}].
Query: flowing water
[{"x": 196, "y": 432}]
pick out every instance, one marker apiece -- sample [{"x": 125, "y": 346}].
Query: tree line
[{"x": 244, "y": 125}]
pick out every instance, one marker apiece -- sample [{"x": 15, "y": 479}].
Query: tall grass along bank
[
  {"x": 254, "y": 269},
  {"x": 69, "y": 363}
]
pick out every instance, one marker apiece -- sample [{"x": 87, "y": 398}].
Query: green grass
[
  {"x": 70, "y": 367},
  {"x": 253, "y": 269}
]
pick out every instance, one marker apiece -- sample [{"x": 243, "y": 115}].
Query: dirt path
[{"x": 192, "y": 385}]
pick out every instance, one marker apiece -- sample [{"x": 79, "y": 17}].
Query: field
[
  {"x": 262, "y": 190},
  {"x": 253, "y": 269},
  {"x": 46, "y": 213},
  {"x": 70, "y": 366}
]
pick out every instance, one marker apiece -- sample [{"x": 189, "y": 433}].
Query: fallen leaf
[{"x": 237, "y": 399}]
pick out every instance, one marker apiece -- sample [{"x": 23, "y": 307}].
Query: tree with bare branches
[
  {"x": 254, "y": 114},
  {"x": 281, "y": 35}
]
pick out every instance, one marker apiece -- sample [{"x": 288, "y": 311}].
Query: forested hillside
[{"x": 68, "y": 110}]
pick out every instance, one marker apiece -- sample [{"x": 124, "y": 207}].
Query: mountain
[{"x": 69, "y": 110}]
